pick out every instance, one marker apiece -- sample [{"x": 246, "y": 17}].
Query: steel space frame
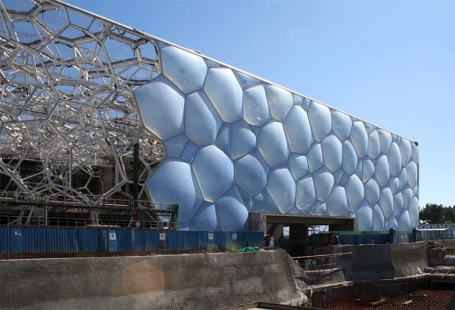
[{"x": 69, "y": 122}]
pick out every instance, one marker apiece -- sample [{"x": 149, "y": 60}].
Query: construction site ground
[{"x": 437, "y": 298}]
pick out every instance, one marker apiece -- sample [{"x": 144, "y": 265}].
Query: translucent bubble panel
[
  {"x": 205, "y": 218},
  {"x": 397, "y": 204},
  {"x": 174, "y": 182},
  {"x": 332, "y": 152},
  {"x": 368, "y": 170},
  {"x": 323, "y": 182},
  {"x": 187, "y": 71},
  {"x": 320, "y": 120},
  {"x": 161, "y": 106},
  {"x": 355, "y": 192},
  {"x": 273, "y": 145},
  {"x": 298, "y": 100},
  {"x": 378, "y": 219},
  {"x": 337, "y": 204},
  {"x": 298, "y": 165},
  {"x": 189, "y": 152},
  {"x": 404, "y": 222},
  {"x": 225, "y": 93},
  {"x": 394, "y": 184},
  {"x": 306, "y": 103},
  {"x": 263, "y": 202},
  {"x": 315, "y": 158},
  {"x": 394, "y": 159},
  {"x": 391, "y": 223},
  {"x": 201, "y": 119},
  {"x": 280, "y": 102},
  {"x": 385, "y": 138},
  {"x": 175, "y": 146},
  {"x": 306, "y": 194},
  {"x": 359, "y": 138},
  {"x": 342, "y": 125},
  {"x": 407, "y": 197},
  {"x": 415, "y": 153},
  {"x": 405, "y": 150},
  {"x": 372, "y": 192},
  {"x": 340, "y": 177},
  {"x": 231, "y": 211},
  {"x": 223, "y": 141},
  {"x": 414, "y": 212},
  {"x": 415, "y": 190},
  {"x": 411, "y": 171},
  {"x": 298, "y": 130},
  {"x": 245, "y": 80},
  {"x": 255, "y": 107},
  {"x": 214, "y": 172},
  {"x": 382, "y": 170},
  {"x": 374, "y": 146},
  {"x": 364, "y": 216},
  {"x": 349, "y": 158},
  {"x": 281, "y": 187},
  {"x": 243, "y": 140},
  {"x": 319, "y": 208},
  {"x": 251, "y": 173},
  {"x": 386, "y": 201},
  {"x": 403, "y": 177},
  {"x": 247, "y": 198}
]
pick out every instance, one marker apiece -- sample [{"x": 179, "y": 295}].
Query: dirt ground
[{"x": 435, "y": 299}]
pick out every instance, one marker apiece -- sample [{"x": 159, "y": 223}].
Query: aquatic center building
[{"x": 92, "y": 110}]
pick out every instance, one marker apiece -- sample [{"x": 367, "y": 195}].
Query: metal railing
[
  {"x": 318, "y": 262},
  {"x": 73, "y": 202},
  {"x": 81, "y": 223}
]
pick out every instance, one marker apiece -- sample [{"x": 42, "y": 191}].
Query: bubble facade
[
  {"x": 251, "y": 146},
  {"x": 81, "y": 94}
]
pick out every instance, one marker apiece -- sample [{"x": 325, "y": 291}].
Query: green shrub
[
  {"x": 211, "y": 248},
  {"x": 232, "y": 247}
]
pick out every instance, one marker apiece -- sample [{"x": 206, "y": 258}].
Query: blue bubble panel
[{"x": 214, "y": 172}]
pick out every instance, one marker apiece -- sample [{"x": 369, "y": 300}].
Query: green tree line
[{"x": 433, "y": 213}]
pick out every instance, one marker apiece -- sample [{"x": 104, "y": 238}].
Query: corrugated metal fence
[
  {"x": 58, "y": 240},
  {"x": 365, "y": 237}
]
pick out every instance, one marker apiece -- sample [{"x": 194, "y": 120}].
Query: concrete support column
[{"x": 258, "y": 222}]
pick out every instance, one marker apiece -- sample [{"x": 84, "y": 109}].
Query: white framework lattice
[{"x": 68, "y": 116}]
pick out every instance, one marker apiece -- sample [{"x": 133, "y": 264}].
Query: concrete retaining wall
[
  {"x": 448, "y": 243},
  {"x": 383, "y": 261},
  {"x": 208, "y": 281}
]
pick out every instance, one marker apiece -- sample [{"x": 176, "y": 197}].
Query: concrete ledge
[
  {"x": 208, "y": 281},
  {"x": 383, "y": 261}
]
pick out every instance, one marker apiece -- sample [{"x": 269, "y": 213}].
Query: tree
[
  {"x": 449, "y": 214},
  {"x": 434, "y": 214}
]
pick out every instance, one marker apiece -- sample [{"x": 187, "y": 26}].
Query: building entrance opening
[{"x": 299, "y": 234}]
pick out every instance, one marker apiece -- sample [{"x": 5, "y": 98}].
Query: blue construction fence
[
  {"x": 57, "y": 240},
  {"x": 365, "y": 237}
]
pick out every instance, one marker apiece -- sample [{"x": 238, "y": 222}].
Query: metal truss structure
[{"x": 69, "y": 122}]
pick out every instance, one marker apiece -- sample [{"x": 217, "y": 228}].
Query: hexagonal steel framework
[
  {"x": 69, "y": 121},
  {"x": 78, "y": 91}
]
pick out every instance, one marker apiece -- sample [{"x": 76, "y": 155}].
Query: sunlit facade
[{"x": 79, "y": 91}]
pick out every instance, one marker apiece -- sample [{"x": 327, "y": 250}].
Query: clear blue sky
[{"x": 388, "y": 62}]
